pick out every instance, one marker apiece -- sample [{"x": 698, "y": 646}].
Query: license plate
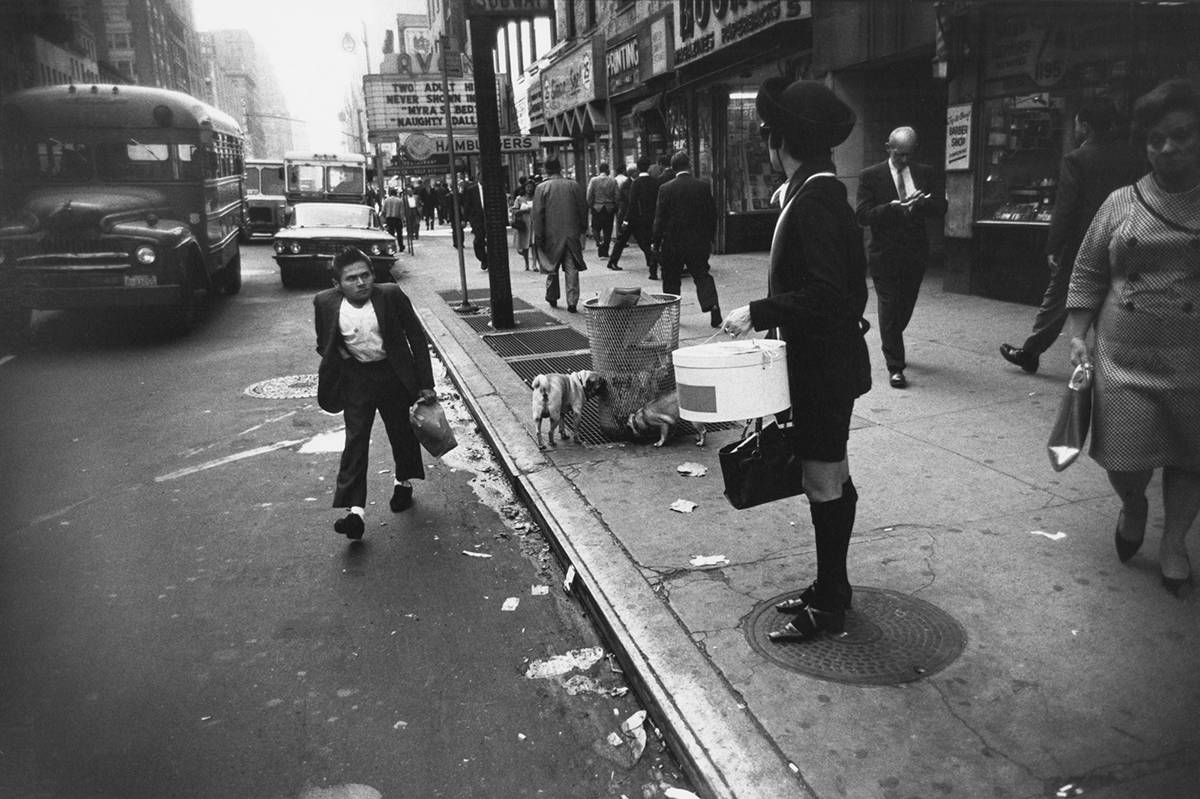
[{"x": 140, "y": 281}]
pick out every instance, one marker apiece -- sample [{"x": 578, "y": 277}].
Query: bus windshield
[
  {"x": 272, "y": 181},
  {"x": 115, "y": 160}
]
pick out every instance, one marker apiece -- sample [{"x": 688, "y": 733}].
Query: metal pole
[
  {"x": 458, "y": 234},
  {"x": 495, "y": 209}
]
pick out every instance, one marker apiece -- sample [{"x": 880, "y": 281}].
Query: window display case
[{"x": 1024, "y": 145}]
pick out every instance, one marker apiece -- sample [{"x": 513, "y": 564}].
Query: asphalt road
[{"x": 177, "y": 618}]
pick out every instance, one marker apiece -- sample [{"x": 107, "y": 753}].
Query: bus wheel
[
  {"x": 289, "y": 277},
  {"x": 185, "y": 315},
  {"x": 229, "y": 279}
]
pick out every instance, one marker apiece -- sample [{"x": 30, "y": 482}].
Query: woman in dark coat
[{"x": 816, "y": 295}]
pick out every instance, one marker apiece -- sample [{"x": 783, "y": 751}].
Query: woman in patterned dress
[{"x": 1136, "y": 282}]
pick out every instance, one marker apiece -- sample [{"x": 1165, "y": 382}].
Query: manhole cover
[
  {"x": 290, "y": 387},
  {"x": 890, "y": 638}
]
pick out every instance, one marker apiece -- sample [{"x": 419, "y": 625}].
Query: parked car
[{"x": 316, "y": 232}]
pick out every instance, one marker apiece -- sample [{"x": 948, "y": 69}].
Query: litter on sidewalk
[
  {"x": 557, "y": 665},
  {"x": 1052, "y": 536},
  {"x": 692, "y": 469},
  {"x": 471, "y": 554},
  {"x": 709, "y": 561},
  {"x": 510, "y": 604},
  {"x": 683, "y": 505}
]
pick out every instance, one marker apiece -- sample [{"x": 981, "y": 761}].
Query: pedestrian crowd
[{"x": 1121, "y": 253}]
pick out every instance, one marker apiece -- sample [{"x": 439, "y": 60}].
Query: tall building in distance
[{"x": 254, "y": 96}]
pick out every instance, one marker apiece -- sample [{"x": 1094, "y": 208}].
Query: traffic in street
[{"x": 179, "y": 619}]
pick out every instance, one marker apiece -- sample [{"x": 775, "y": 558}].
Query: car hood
[
  {"x": 333, "y": 233},
  {"x": 82, "y": 207}
]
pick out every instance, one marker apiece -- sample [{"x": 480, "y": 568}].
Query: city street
[{"x": 178, "y": 618}]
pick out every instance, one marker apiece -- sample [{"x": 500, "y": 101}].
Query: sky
[{"x": 303, "y": 39}]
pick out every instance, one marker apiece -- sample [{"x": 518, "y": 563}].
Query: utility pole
[{"x": 495, "y": 207}]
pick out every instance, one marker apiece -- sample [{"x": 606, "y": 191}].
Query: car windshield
[{"x": 332, "y": 215}]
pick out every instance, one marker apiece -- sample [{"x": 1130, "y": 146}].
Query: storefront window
[
  {"x": 704, "y": 128},
  {"x": 1022, "y": 152},
  {"x": 629, "y": 140},
  {"x": 677, "y": 124},
  {"x": 751, "y": 181}
]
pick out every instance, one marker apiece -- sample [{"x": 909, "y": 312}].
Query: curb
[{"x": 719, "y": 744}]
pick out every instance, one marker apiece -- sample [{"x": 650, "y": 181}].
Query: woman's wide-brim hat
[{"x": 806, "y": 110}]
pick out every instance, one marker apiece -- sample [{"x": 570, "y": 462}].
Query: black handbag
[
  {"x": 1070, "y": 430},
  {"x": 762, "y": 467}
]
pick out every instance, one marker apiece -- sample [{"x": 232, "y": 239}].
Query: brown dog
[
  {"x": 661, "y": 413},
  {"x": 555, "y": 393}
]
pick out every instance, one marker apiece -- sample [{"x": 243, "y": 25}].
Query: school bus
[
  {"x": 325, "y": 177},
  {"x": 265, "y": 200},
  {"x": 117, "y": 196}
]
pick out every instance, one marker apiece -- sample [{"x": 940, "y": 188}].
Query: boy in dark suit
[
  {"x": 894, "y": 200},
  {"x": 685, "y": 222},
  {"x": 374, "y": 356}
]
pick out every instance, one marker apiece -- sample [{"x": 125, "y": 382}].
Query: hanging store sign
[
  {"x": 703, "y": 27},
  {"x": 958, "y": 138},
  {"x": 1047, "y": 49},
  {"x": 571, "y": 81},
  {"x": 396, "y": 105},
  {"x": 509, "y": 9},
  {"x": 621, "y": 63}
]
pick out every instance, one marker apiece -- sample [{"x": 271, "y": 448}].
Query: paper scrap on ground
[
  {"x": 690, "y": 469},
  {"x": 576, "y": 659},
  {"x": 539, "y": 590},
  {"x": 399, "y": 725},
  {"x": 679, "y": 793},
  {"x": 634, "y": 729},
  {"x": 568, "y": 579},
  {"x": 683, "y": 506},
  {"x": 1052, "y": 536},
  {"x": 469, "y": 553},
  {"x": 510, "y": 603},
  {"x": 709, "y": 561}
]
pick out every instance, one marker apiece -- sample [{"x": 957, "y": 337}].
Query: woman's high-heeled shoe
[
  {"x": 1174, "y": 585},
  {"x": 797, "y": 604},
  {"x": 1128, "y": 547},
  {"x": 808, "y": 624}
]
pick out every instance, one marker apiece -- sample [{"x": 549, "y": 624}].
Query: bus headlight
[{"x": 145, "y": 255}]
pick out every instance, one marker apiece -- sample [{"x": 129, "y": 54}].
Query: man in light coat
[{"x": 559, "y": 220}]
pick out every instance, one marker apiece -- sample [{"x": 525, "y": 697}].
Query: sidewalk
[{"x": 1075, "y": 669}]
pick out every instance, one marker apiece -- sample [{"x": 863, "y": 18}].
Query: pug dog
[
  {"x": 555, "y": 393},
  {"x": 661, "y": 413}
]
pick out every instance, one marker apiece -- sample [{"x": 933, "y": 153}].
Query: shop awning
[{"x": 652, "y": 104}]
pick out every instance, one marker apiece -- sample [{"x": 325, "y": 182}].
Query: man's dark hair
[
  {"x": 553, "y": 166},
  {"x": 347, "y": 256},
  {"x": 680, "y": 162},
  {"x": 643, "y": 163},
  {"x": 603, "y": 168},
  {"x": 1099, "y": 113},
  {"x": 1178, "y": 94},
  {"x": 664, "y": 160}
]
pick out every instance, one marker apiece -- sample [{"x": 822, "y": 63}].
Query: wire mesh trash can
[{"x": 631, "y": 349}]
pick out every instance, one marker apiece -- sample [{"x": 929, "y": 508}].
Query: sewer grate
[
  {"x": 290, "y": 387},
  {"x": 536, "y": 342},
  {"x": 525, "y": 320},
  {"x": 890, "y": 638},
  {"x": 480, "y": 297}
]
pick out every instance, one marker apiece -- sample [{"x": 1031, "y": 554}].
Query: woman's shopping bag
[
  {"x": 432, "y": 429},
  {"x": 761, "y": 468},
  {"x": 1070, "y": 430}
]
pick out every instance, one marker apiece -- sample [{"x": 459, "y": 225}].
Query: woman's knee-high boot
[{"x": 833, "y": 522}]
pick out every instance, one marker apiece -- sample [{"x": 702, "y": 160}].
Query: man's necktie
[{"x": 900, "y": 185}]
